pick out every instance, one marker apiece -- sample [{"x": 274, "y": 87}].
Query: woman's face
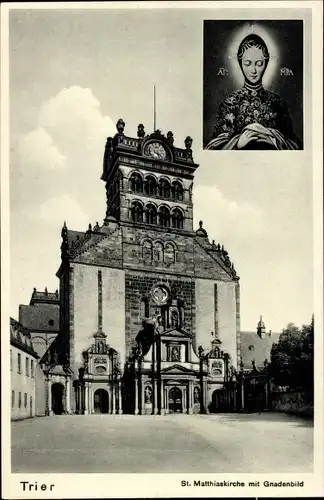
[{"x": 253, "y": 64}]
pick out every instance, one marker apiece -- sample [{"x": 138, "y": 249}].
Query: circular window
[
  {"x": 160, "y": 294},
  {"x": 251, "y": 348}
]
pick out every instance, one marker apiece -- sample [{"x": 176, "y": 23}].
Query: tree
[{"x": 292, "y": 358}]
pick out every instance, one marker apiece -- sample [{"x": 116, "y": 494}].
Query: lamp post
[
  {"x": 201, "y": 377},
  {"x": 226, "y": 361},
  {"x": 266, "y": 385}
]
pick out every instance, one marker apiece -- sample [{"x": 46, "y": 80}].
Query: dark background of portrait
[{"x": 287, "y": 34}]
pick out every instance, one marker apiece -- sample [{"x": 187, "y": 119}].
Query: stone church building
[{"x": 149, "y": 307}]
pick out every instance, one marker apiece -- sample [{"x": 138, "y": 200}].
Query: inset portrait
[{"x": 253, "y": 85}]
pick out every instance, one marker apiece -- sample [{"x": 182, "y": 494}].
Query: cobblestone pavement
[{"x": 267, "y": 442}]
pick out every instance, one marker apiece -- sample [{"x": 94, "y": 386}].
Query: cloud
[
  {"x": 74, "y": 120},
  {"x": 36, "y": 148},
  {"x": 225, "y": 219},
  {"x": 55, "y": 211}
]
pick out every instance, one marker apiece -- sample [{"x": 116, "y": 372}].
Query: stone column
[
  {"x": 184, "y": 400},
  {"x": 114, "y": 400},
  {"x": 162, "y": 412},
  {"x": 190, "y": 396},
  {"x": 110, "y": 398},
  {"x": 48, "y": 402},
  {"x": 166, "y": 400},
  {"x": 67, "y": 396},
  {"x": 120, "y": 401},
  {"x": 155, "y": 402},
  {"x": 136, "y": 396},
  {"x": 86, "y": 398},
  {"x": 142, "y": 398}
]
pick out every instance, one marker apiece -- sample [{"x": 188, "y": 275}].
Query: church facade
[{"x": 149, "y": 307}]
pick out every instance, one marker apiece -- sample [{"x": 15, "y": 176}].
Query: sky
[{"x": 73, "y": 74}]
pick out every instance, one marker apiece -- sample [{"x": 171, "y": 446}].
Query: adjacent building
[{"x": 23, "y": 371}]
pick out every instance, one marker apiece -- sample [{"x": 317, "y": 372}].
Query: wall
[
  {"x": 23, "y": 384},
  {"x": 139, "y": 284},
  {"x": 292, "y": 402},
  {"x": 85, "y": 309},
  {"x": 216, "y": 313},
  {"x": 40, "y": 391}
]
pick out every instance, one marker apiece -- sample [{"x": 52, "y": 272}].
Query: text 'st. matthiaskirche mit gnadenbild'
[{"x": 149, "y": 308}]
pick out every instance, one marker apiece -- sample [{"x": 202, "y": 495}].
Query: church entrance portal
[
  {"x": 175, "y": 400},
  {"x": 57, "y": 398},
  {"x": 100, "y": 401}
]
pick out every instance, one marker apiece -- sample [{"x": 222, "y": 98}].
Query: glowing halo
[{"x": 273, "y": 48}]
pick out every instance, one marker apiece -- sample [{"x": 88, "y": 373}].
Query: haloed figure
[{"x": 252, "y": 117}]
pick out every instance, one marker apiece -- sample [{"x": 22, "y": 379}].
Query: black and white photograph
[
  {"x": 161, "y": 301},
  {"x": 253, "y": 85}
]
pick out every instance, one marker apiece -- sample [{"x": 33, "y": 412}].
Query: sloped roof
[
  {"x": 20, "y": 337},
  {"x": 254, "y": 348},
  {"x": 40, "y": 317}
]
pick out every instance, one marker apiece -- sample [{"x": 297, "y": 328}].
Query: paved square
[{"x": 230, "y": 443}]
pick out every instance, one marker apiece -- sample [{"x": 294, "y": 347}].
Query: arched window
[
  {"x": 150, "y": 185},
  {"x": 158, "y": 252},
  {"x": 145, "y": 311},
  {"x": 164, "y": 217},
  {"x": 169, "y": 253},
  {"x": 151, "y": 215},
  {"x": 177, "y": 219},
  {"x": 177, "y": 191},
  {"x": 164, "y": 188},
  {"x": 147, "y": 250},
  {"x": 136, "y": 212},
  {"x": 136, "y": 183}
]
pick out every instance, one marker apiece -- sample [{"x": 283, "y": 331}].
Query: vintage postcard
[{"x": 161, "y": 299}]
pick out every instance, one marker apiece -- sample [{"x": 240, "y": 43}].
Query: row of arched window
[
  {"x": 151, "y": 187},
  {"x": 162, "y": 217},
  {"x": 158, "y": 251}
]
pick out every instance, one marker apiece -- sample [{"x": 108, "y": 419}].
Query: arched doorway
[
  {"x": 175, "y": 400},
  {"x": 100, "y": 399},
  {"x": 57, "y": 398},
  {"x": 218, "y": 401}
]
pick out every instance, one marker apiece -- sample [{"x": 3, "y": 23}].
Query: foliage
[{"x": 292, "y": 358}]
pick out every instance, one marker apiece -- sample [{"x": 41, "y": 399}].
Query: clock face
[{"x": 156, "y": 150}]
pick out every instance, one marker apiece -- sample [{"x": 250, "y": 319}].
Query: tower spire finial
[{"x": 154, "y": 108}]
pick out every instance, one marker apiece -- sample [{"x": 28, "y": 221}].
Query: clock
[{"x": 156, "y": 150}]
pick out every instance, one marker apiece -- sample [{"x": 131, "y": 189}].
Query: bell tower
[{"x": 148, "y": 180}]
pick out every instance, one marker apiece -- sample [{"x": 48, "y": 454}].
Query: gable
[
  {"x": 178, "y": 369},
  {"x": 102, "y": 249},
  {"x": 208, "y": 264},
  {"x": 177, "y": 333}
]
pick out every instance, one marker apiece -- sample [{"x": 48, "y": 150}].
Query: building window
[
  {"x": 150, "y": 186},
  {"x": 32, "y": 368},
  {"x": 177, "y": 191},
  {"x": 164, "y": 217},
  {"x": 12, "y": 399},
  {"x": 11, "y": 360},
  {"x": 177, "y": 219},
  {"x": 19, "y": 400},
  {"x": 164, "y": 188},
  {"x": 136, "y": 212},
  {"x": 150, "y": 214},
  {"x": 19, "y": 363},
  {"x": 158, "y": 252},
  {"x": 145, "y": 308},
  {"x": 27, "y": 367},
  {"x": 169, "y": 253},
  {"x": 25, "y": 400},
  {"x": 136, "y": 183},
  {"x": 147, "y": 250}
]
